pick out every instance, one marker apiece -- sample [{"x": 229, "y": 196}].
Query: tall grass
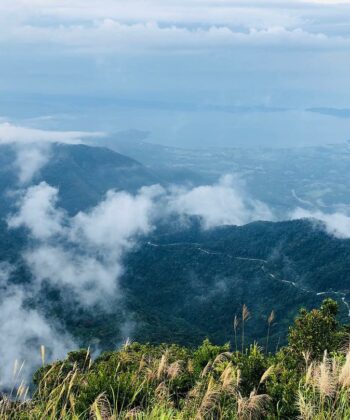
[
  {"x": 171, "y": 382},
  {"x": 325, "y": 391}
]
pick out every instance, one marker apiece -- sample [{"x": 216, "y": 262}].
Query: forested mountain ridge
[
  {"x": 82, "y": 173},
  {"x": 200, "y": 276}
]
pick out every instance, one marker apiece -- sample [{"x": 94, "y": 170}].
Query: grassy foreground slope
[{"x": 309, "y": 378}]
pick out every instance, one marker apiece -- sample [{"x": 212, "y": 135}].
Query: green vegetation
[{"x": 309, "y": 378}]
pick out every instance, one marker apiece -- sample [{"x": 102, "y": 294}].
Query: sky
[{"x": 193, "y": 73}]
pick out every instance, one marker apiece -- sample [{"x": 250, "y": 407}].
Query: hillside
[
  {"x": 195, "y": 281},
  {"x": 82, "y": 173},
  {"x": 188, "y": 284}
]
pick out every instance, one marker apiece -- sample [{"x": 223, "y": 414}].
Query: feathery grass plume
[
  {"x": 222, "y": 357},
  {"x": 306, "y": 407},
  {"x": 26, "y": 393},
  {"x": 42, "y": 351},
  {"x": 90, "y": 363},
  {"x": 239, "y": 376},
  {"x": 15, "y": 369},
  {"x": 163, "y": 365},
  {"x": 72, "y": 402},
  {"x": 143, "y": 363},
  {"x": 127, "y": 343},
  {"x": 190, "y": 367},
  {"x": 229, "y": 379},
  {"x": 306, "y": 355},
  {"x": 344, "y": 375},
  {"x": 210, "y": 399},
  {"x": 325, "y": 377},
  {"x": 268, "y": 372},
  {"x": 21, "y": 368},
  {"x": 235, "y": 327},
  {"x": 101, "y": 408},
  {"x": 174, "y": 370},
  {"x": 309, "y": 374},
  {"x": 150, "y": 374},
  {"x": 88, "y": 360},
  {"x": 245, "y": 312},
  {"x": 245, "y": 316},
  {"x": 206, "y": 369},
  {"x": 270, "y": 320},
  {"x": 20, "y": 390},
  {"x": 253, "y": 407}
]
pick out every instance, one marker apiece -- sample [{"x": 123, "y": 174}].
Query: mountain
[
  {"x": 82, "y": 173},
  {"x": 193, "y": 282}
]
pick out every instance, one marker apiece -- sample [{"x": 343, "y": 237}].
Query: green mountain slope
[
  {"x": 196, "y": 280},
  {"x": 82, "y": 173}
]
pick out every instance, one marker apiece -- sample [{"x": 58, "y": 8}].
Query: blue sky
[{"x": 191, "y": 72}]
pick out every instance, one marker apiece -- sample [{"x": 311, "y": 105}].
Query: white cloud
[
  {"x": 38, "y": 212},
  {"x": 222, "y": 204},
  {"x": 30, "y": 160},
  {"x": 15, "y": 134},
  {"x": 23, "y": 331},
  {"x": 83, "y": 279},
  {"x": 336, "y": 224},
  {"x": 119, "y": 217}
]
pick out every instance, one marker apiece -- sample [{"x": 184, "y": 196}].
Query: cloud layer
[
  {"x": 118, "y": 25},
  {"x": 83, "y": 254},
  {"x": 16, "y": 134}
]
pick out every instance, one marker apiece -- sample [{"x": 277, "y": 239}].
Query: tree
[{"x": 315, "y": 331}]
